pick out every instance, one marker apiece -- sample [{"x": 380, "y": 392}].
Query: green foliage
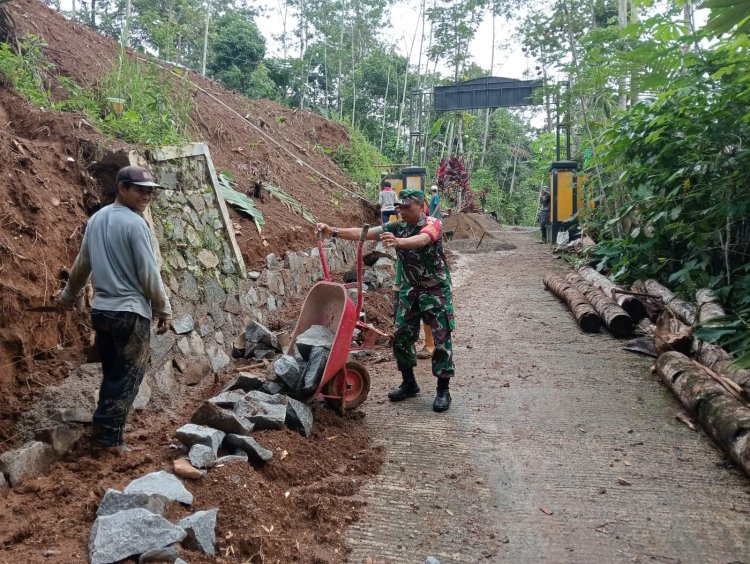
[
  {"x": 237, "y": 54},
  {"x": 25, "y": 70},
  {"x": 156, "y": 110},
  {"x": 361, "y": 160}
]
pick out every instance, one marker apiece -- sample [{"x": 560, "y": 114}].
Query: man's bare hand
[
  {"x": 163, "y": 325},
  {"x": 389, "y": 240},
  {"x": 323, "y": 228}
]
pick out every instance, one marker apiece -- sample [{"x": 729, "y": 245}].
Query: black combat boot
[
  {"x": 443, "y": 398},
  {"x": 408, "y": 388}
]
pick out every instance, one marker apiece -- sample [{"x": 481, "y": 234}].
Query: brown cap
[{"x": 136, "y": 175}]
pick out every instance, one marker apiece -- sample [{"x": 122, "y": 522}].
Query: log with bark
[
  {"x": 672, "y": 335},
  {"x": 653, "y": 304},
  {"x": 619, "y": 323},
  {"x": 587, "y": 318},
  {"x": 709, "y": 306},
  {"x": 721, "y": 414},
  {"x": 684, "y": 311},
  {"x": 720, "y": 361},
  {"x": 631, "y": 304}
]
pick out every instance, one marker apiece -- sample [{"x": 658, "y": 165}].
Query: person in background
[
  {"x": 387, "y": 201},
  {"x": 544, "y": 201},
  {"x": 128, "y": 291},
  {"x": 434, "y": 202}
]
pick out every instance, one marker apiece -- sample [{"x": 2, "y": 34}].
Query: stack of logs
[{"x": 700, "y": 374}]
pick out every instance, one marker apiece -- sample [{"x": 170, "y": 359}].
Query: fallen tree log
[
  {"x": 645, "y": 327},
  {"x": 653, "y": 304},
  {"x": 720, "y": 361},
  {"x": 631, "y": 304},
  {"x": 725, "y": 418},
  {"x": 684, "y": 311},
  {"x": 587, "y": 318},
  {"x": 709, "y": 306},
  {"x": 672, "y": 335},
  {"x": 617, "y": 320}
]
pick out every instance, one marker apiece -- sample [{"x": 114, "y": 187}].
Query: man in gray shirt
[
  {"x": 387, "y": 201},
  {"x": 128, "y": 291}
]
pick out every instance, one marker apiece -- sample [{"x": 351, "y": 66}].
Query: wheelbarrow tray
[{"x": 328, "y": 304}]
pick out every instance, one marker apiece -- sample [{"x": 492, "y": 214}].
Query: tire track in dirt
[{"x": 545, "y": 420}]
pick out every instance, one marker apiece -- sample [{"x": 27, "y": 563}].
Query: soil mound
[{"x": 470, "y": 226}]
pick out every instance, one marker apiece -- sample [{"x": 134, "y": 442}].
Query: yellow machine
[
  {"x": 412, "y": 177},
  {"x": 567, "y": 196}
]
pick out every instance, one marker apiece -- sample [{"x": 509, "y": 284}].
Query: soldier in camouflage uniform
[{"x": 425, "y": 294}]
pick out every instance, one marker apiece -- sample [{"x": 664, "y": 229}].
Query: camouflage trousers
[
  {"x": 434, "y": 306},
  {"x": 122, "y": 339}
]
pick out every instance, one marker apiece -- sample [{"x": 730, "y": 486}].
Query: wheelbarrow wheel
[{"x": 356, "y": 386}]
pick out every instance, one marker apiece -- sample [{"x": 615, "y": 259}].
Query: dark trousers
[
  {"x": 544, "y": 223},
  {"x": 122, "y": 338},
  {"x": 385, "y": 215}
]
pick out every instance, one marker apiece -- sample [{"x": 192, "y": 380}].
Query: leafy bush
[
  {"x": 360, "y": 160},
  {"x": 25, "y": 70}
]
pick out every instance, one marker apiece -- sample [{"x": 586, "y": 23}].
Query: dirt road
[{"x": 559, "y": 446}]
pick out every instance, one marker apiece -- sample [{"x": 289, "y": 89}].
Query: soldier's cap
[
  {"x": 409, "y": 196},
  {"x": 136, "y": 175}
]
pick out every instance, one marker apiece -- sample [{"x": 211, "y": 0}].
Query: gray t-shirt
[
  {"x": 387, "y": 200},
  {"x": 117, "y": 252}
]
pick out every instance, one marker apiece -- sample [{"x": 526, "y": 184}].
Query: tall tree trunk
[
  {"x": 385, "y": 107},
  {"x": 634, "y": 74},
  {"x": 406, "y": 85},
  {"x": 487, "y": 111},
  {"x": 93, "y": 14},
  {"x": 622, "y": 20},
  {"x": 354, "y": 79},
  {"x": 340, "y": 56},
  {"x": 205, "y": 37}
]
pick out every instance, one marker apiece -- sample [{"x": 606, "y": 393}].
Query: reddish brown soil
[
  {"x": 257, "y": 522},
  {"x": 236, "y": 144}
]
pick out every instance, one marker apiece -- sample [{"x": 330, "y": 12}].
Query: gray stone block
[
  {"x": 275, "y": 387},
  {"x": 228, "y": 399},
  {"x": 168, "y": 554},
  {"x": 253, "y": 275},
  {"x": 32, "y": 459},
  {"x": 431, "y": 560},
  {"x": 180, "y": 561},
  {"x": 201, "y": 531},
  {"x": 143, "y": 397},
  {"x": 161, "y": 483},
  {"x": 232, "y": 305},
  {"x": 161, "y": 346},
  {"x": 263, "y": 410},
  {"x": 202, "y": 456},
  {"x": 244, "y": 381},
  {"x": 236, "y": 456},
  {"x": 62, "y": 438},
  {"x": 128, "y": 533},
  {"x": 192, "y": 369},
  {"x": 219, "y": 418},
  {"x": 314, "y": 371},
  {"x": 272, "y": 262},
  {"x": 73, "y": 415},
  {"x": 257, "y": 333},
  {"x": 218, "y": 359},
  {"x": 183, "y": 324},
  {"x": 317, "y": 336},
  {"x": 299, "y": 417},
  {"x": 289, "y": 370},
  {"x": 215, "y": 294},
  {"x": 260, "y": 354},
  {"x": 191, "y": 434},
  {"x": 189, "y": 287},
  {"x": 250, "y": 446},
  {"x": 114, "y": 501}
]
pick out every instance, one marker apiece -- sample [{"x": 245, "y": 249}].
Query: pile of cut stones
[
  {"x": 131, "y": 523},
  {"x": 298, "y": 376}
]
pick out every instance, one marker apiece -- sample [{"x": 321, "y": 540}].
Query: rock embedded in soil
[
  {"x": 317, "y": 336},
  {"x": 128, "y": 533},
  {"x": 73, "y": 415},
  {"x": 238, "y": 456},
  {"x": 299, "y": 417},
  {"x": 244, "y": 381},
  {"x": 255, "y": 452},
  {"x": 289, "y": 370},
  {"x": 183, "y": 324},
  {"x": 202, "y": 456},
  {"x": 217, "y": 417},
  {"x": 62, "y": 438},
  {"x": 184, "y": 469},
  {"x": 192, "y": 434},
  {"x": 256, "y": 334},
  {"x": 115, "y": 501},
  {"x": 201, "y": 531},
  {"x": 314, "y": 371},
  {"x": 32, "y": 459},
  {"x": 161, "y": 483},
  {"x": 263, "y": 410},
  {"x": 166, "y": 554}
]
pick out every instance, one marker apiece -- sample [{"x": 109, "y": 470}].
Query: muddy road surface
[{"x": 559, "y": 446}]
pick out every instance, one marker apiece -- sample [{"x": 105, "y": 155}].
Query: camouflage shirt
[{"x": 423, "y": 267}]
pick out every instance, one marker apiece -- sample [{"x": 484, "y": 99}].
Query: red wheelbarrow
[{"x": 345, "y": 383}]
